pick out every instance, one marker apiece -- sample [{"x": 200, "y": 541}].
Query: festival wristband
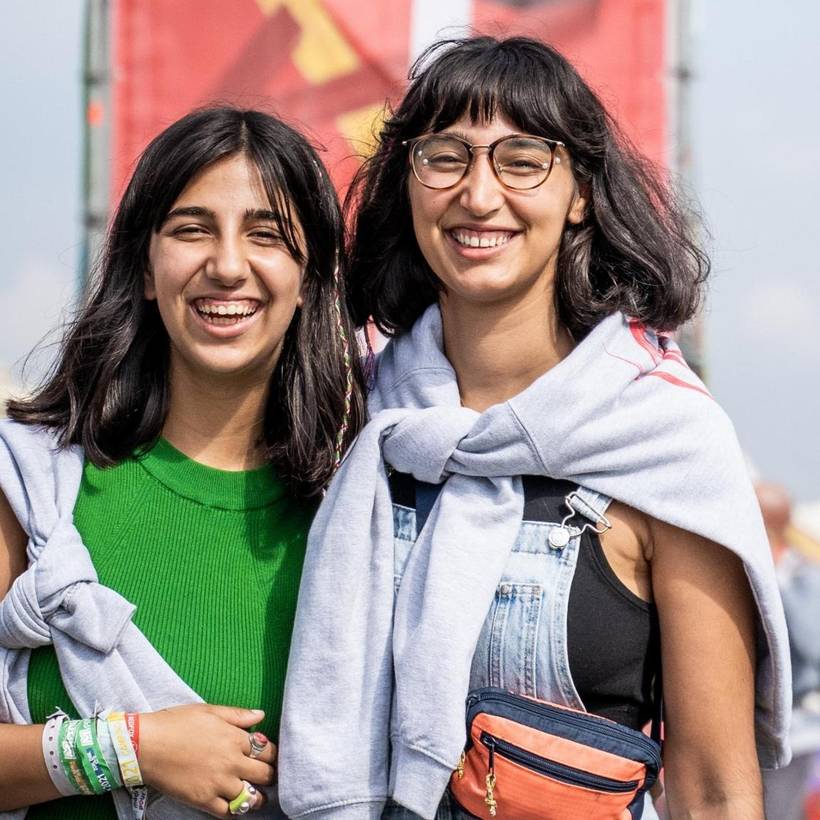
[
  {"x": 51, "y": 755},
  {"x": 139, "y": 801},
  {"x": 68, "y": 756},
  {"x": 91, "y": 757},
  {"x": 106, "y": 746},
  {"x": 132, "y": 721},
  {"x": 124, "y": 749}
]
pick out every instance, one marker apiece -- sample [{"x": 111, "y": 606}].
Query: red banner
[
  {"x": 619, "y": 46},
  {"x": 327, "y": 66}
]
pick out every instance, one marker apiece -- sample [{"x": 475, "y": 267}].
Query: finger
[
  {"x": 255, "y": 771},
  {"x": 243, "y": 799},
  {"x": 269, "y": 754},
  {"x": 218, "y": 808},
  {"x": 257, "y": 742},
  {"x": 268, "y": 751},
  {"x": 260, "y": 801},
  {"x": 236, "y": 716}
]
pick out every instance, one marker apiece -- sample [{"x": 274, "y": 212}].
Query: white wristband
[{"x": 51, "y": 755}]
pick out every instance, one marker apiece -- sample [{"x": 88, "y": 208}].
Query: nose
[
  {"x": 481, "y": 193},
  {"x": 227, "y": 264}
]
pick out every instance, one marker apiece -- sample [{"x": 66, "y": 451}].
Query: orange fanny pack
[{"x": 527, "y": 759}]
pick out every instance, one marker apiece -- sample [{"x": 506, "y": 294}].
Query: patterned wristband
[
  {"x": 91, "y": 757},
  {"x": 106, "y": 747},
  {"x": 124, "y": 749},
  {"x": 132, "y": 721},
  {"x": 68, "y": 756},
  {"x": 51, "y": 755}
]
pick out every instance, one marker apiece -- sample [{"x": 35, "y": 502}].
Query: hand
[{"x": 199, "y": 755}]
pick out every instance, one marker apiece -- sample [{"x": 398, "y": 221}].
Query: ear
[
  {"x": 149, "y": 289},
  {"x": 580, "y": 202}
]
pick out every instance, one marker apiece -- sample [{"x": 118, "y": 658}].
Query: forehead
[
  {"x": 232, "y": 182},
  {"x": 482, "y": 132}
]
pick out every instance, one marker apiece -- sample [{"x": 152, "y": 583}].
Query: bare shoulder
[
  {"x": 687, "y": 554},
  {"x": 12, "y": 546}
]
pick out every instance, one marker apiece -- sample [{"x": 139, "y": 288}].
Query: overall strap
[
  {"x": 426, "y": 495},
  {"x": 591, "y": 505}
]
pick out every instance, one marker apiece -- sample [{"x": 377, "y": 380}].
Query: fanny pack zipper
[
  {"x": 568, "y": 719},
  {"x": 551, "y": 768}
]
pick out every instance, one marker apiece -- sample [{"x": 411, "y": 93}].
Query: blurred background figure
[{"x": 787, "y": 791}]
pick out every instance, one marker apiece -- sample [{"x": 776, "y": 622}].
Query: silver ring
[{"x": 256, "y": 747}]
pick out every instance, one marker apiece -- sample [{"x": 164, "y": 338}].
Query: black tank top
[{"x": 613, "y": 637}]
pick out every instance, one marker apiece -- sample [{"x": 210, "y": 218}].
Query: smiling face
[
  {"x": 485, "y": 242},
  {"x": 224, "y": 282}
]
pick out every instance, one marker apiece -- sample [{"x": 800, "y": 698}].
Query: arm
[
  {"x": 23, "y": 776},
  {"x": 707, "y": 618},
  {"x": 205, "y": 772}
]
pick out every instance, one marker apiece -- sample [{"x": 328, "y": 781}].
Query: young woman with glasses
[
  {"x": 546, "y": 499},
  {"x": 157, "y": 490}
]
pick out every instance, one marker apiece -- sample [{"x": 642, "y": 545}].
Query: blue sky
[{"x": 754, "y": 124}]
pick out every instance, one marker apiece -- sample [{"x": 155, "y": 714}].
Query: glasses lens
[
  {"x": 440, "y": 161},
  {"x": 523, "y": 162}
]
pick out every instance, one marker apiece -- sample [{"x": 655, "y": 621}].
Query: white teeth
[
  {"x": 481, "y": 239},
  {"x": 239, "y": 309}
]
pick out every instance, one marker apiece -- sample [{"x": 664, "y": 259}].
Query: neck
[
  {"x": 217, "y": 421},
  {"x": 498, "y": 350}
]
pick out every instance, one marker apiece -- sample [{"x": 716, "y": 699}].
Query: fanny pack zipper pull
[
  {"x": 489, "y": 780},
  {"x": 460, "y": 765}
]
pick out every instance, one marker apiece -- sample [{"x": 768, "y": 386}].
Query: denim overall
[{"x": 523, "y": 643}]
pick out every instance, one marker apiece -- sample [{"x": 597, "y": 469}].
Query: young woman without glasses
[
  {"x": 528, "y": 264},
  {"x": 157, "y": 490}
]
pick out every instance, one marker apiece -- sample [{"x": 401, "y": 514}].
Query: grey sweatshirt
[{"x": 374, "y": 698}]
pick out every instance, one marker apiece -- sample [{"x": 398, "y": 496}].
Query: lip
[
  {"x": 479, "y": 253},
  {"x": 225, "y": 331},
  {"x": 480, "y": 227}
]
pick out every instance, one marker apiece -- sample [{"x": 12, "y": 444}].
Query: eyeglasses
[{"x": 519, "y": 161}]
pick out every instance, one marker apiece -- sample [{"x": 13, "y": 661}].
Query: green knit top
[{"x": 212, "y": 561}]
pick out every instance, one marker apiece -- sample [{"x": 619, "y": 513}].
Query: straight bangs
[{"x": 480, "y": 85}]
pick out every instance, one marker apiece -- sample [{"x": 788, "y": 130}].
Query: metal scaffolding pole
[
  {"x": 680, "y": 158},
  {"x": 97, "y": 133}
]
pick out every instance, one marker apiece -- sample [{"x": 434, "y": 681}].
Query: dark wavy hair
[
  {"x": 632, "y": 251},
  {"x": 108, "y": 390}
]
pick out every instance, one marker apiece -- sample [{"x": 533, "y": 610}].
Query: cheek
[
  {"x": 284, "y": 279},
  {"x": 425, "y": 216},
  {"x": 167, "y": 273}
]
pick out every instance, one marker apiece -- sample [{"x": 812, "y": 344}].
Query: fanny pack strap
[{"x": 657, "y": 707}]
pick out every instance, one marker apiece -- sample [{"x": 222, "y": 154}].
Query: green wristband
[
  {"x": 92, "y": 759},
  {"x": 68, "y": 756}
]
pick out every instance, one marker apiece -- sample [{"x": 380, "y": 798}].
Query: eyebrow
[
  {"x": 461, "y": 134},
  {"x": 207, "y": 213}
]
